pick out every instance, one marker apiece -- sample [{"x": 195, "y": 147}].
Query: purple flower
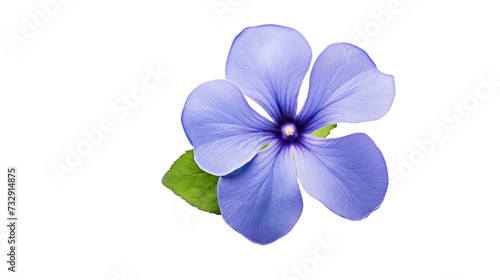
[{"x": 258, "y": 192}]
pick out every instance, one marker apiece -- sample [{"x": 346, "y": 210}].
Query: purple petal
[
  {"x": 348, "y": 175},
  {"x": 268, "y": 63},
  {"x": 224, "y": 130},
  {"x": 345, "y": 86},
  {"x": 262, "y": 202}
]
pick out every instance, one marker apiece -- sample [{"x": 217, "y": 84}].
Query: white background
[{"x": 111, "y": 218}]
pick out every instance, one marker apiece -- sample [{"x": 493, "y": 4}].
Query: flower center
[{"x": 289, "y": 132}]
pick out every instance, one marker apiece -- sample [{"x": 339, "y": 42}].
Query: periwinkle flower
[{"x": 258, "y": 192}]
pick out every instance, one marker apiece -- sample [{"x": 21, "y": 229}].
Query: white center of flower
[{"x": 289, "y": 131}]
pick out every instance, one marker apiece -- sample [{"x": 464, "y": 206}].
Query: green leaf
[
  {"x": 323, "y": 132},
  {"x": 199, "y": 188},
  {"x": 295, "y": 164}
]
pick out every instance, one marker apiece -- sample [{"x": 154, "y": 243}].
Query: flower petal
[
  {"x": 345, "y": 86},
  {"x": 224, "y": 130},
  {"x": 348, "y": 175},
  {"x": 268, "y": 63},
  {"x": 262, "y": 201}
]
